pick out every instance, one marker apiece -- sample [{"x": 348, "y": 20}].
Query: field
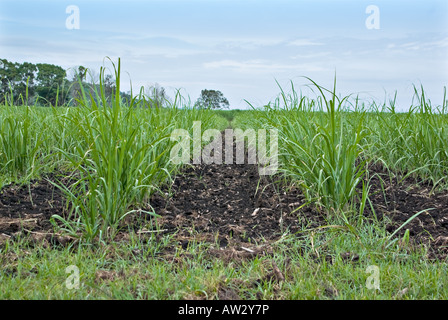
[{"x": 93, "y": 207}]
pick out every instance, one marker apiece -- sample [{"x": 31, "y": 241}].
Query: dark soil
[
  {"x": 399, "y": 201},
  {"x": 25, "y": 210},
  {"x": 232, "y": 203}
]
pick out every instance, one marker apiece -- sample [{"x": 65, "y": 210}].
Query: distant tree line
[{"x": 47, "y": 84}]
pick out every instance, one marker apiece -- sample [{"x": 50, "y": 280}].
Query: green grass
[
  {"x": 313, "y": 267},
  {"x": 326, "y": 143},
  {"x": 230, "y": 115}
]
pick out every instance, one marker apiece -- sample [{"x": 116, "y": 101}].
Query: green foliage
[
  {"x": 320, "y": 149},
  {"x": 50, "y": 84},
  {"x": 45, "y": 84},
  {"x": 412, "y": 143},
  {"x": 325, "y": 143},
  {"x": 16, "y": 81},
  {"x": 19, "y": 143},
  {"x": 230, "y": 114},
  {"x": 121, "y": 156},
  {"x": 212, "y": 99}
]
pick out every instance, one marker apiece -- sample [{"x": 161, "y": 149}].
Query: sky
[{"x": 241, "y": 47}]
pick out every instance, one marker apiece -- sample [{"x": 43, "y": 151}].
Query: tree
[
  {"x": 49, "y": 75},
  {"x": 157, "y": 96},
  {"x": 25, "y": 88},
  {"x": 212, "y": 99},
  {"x": 79, "y": 75},
  {"x": 82, "y": 73},
  {"x": 17, "y": 79},
  {"x": 109, "y": 86},
  {"x": 9, "y": 74},
  {"x": 47, "y": 83},
  {"x": 50, "y": 80}
]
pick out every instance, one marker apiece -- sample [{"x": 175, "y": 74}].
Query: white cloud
[
  {"x": 442, "y": 43},
  {"x": 261, "y": 66},
  {"x": 313, "y": 55},
  {"x": 304, "y": 42}
]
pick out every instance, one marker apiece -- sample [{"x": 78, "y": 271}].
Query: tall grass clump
[
  {"x": 122, "y": 157},
  {"x": 319, "y": 148},
  {"x": 116, "y": 164},
  {"x": 28, "y": 136},
  {"x": 19, "y": 141},
  {"x": 413, "y": 143}
]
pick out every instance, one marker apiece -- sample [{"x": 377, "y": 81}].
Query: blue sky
[{"x": 241, "y": 47}]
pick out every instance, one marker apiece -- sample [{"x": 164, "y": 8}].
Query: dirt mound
[
  {"x": 400, "y": 201},
  {"x": 227, "y": 203},
  {"x": 233, "y": 202}
]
